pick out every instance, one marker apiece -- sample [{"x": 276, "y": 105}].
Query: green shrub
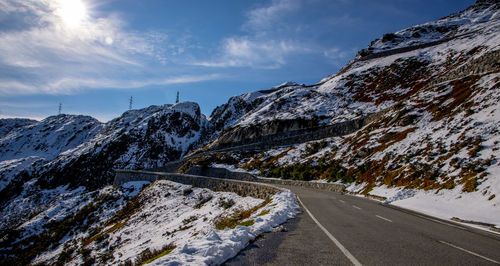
[
  {"x": 226, "y": 204},
  {"x": 148, "y": 256},
  {"x": 264, "y": 212},
  {"x": 238, "y": 217}
]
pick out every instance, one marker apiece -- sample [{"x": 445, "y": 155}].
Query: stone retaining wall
[
  {"x": 242, "y": 188},
  {"x": 221, "y": 173},
  {"x": 227, "y": 174},
  {"x": 323, "y": 186}
]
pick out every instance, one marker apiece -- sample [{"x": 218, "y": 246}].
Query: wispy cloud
[
  {"x": 47, "y": 54},
  {"x": 273, "y": 36},
  {"x": 337, "y": 56},
  {"x": 69, "y": 85},
  {"x": 264, "y": 18},
  {"x": 259, "y": 53},
  {"x": 259, "y": 47}
]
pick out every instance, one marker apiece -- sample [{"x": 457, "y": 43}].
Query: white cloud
[
  {"x": 52, "y": 53},
  {"x": 275, "y": 35},
  {"x": 262, "y": 18},
  {"x": 260, "y": 48},
  {"x": 336, "y": 53},
  {"x": 68, "y": 85},
  {"x": 243, "y": 51},
  {"x": 338, "y": 56}
]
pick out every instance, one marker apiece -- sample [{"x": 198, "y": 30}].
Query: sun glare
[{"x": 72, "y": 12}]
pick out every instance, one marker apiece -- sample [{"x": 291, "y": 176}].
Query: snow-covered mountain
[
  {"x": 146, "y": 138},
  {"x": 431, "y": 93},
  {"x": 389, "y": 71},
  {"x": 80, "y": 151},
  {"x": 7, "y": 124},
  {"x": 48, "y": 138},
  {"x": 29, "y": 144}
]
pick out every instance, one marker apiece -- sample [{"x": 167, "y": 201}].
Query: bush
[
  {"x": 226, "y": 204},
  {"x": 314, "y": 147},
  {"x": 238, "y": 217},
  {"x": 202, "y": 201},
  {"x": 187, "y": 191},
  {"x": 148, "y": 256},
  {"x": 470, "y": 185}
]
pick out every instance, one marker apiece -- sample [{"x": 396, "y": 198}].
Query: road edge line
[
  {"x": 462, "y": 226},
  {"x": 470, "y": 252},
  {"x": 383, "y": 218},
  {"x": 335, "y": 241}
]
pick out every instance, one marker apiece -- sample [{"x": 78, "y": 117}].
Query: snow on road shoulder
[
  {"x": 216, "y": 246},
  {"x": 444, "y": 204}
]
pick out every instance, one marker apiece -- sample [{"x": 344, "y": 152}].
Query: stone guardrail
[
  {"x": 242, "y": 188},
  {"x": 243, "y": 184},
  {"x": 221, "y": 173},
  {"x": 322, "y": 186},
  {"x": 228, "y": 174}
]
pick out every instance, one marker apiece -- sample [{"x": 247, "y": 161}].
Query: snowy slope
[
  {"x": 48, "y": 138},
  {"x": 434, "y": 131},
  {"x": 126, "y": 224},
  {"x": 29, "y": 144},
  {"x": 8, "y": 124},
  {"x": 79, "y": 151},
  {"x": 370, "y": 86},
  {"x": 469, "y": 21},
  {"x": 146, "y": 138}
]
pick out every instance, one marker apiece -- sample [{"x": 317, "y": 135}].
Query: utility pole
[
  {"x": 60, "y": 108},
  {"x": 130, "y": 103},
  {"x": 177, "y": 99}
]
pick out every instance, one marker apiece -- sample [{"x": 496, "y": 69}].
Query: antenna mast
[
  {"x": 130, "y": 103},
  {"x": 177, "y": 99},
  {"x": 60, "y": 108}
]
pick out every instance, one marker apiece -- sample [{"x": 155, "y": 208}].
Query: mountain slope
[
  {"x": 8, "y": 124},
  {"x": 145, "y": 138},
  {"x": 49, "y": 137},
  {"x": 78, "y": 151},
  {"x": 428, "y": 99},
  {"x": 379, "y": 77}
]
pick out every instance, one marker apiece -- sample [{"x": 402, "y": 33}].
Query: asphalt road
[{"x": 336, "y": 229}]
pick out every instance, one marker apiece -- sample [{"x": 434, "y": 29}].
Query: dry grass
[{"x": 238, "y": 217}]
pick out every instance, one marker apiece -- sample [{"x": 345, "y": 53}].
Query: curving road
[{"x": 336, "y": 229}]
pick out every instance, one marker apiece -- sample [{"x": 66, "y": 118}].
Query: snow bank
[
  {"x": 444, "y": 204},
  {"x": 217, "y": 246}
]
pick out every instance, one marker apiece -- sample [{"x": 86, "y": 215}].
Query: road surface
[{"x": 336, "y": 229}]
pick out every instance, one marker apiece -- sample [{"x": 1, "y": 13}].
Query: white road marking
[
  {"x": 356, "y": 207},
  {"x": 341, "y": 201},
  {"x": 440, "y": 222},
  {"x": 335, "y": 241},
  {"x": 470, "y": 252},
  {"x": 383, "y": 218}
]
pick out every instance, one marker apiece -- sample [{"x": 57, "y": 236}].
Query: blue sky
[{"x": 91, "y": 55}]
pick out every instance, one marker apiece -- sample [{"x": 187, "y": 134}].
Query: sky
[{"x": 91, "y": 56}]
